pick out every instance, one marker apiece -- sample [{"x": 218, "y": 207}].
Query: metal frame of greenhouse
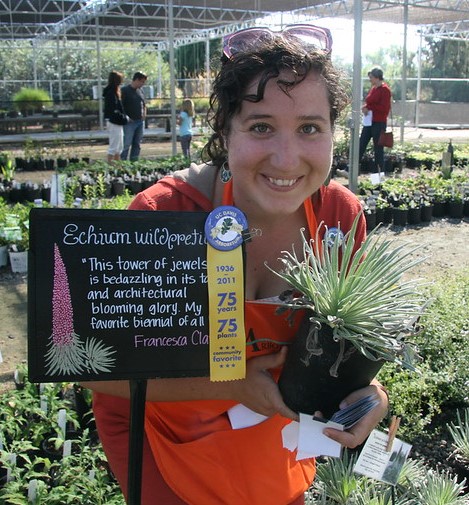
[{"x": 172, "y": 23}]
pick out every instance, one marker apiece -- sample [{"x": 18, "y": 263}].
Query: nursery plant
[
  {"x": 460, "y": 433},
  {"x": 359, "y": 315},
  {"x": 29, "y": 100}
]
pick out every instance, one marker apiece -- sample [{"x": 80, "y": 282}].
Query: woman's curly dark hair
[{"x": 264, "y": 63}]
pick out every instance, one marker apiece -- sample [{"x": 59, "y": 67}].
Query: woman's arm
[{"x": 258, "y": 391}]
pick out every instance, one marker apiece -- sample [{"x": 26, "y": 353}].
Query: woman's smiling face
[{"x": 280, "y": 149}]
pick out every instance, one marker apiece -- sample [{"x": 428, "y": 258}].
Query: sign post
[{"x": 137, "y": 425}]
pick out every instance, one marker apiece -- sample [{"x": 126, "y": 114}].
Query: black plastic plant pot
[{"x": 306, "y": 382}]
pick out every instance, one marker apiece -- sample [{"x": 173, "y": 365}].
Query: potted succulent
[{"x": 358, "y": 315}]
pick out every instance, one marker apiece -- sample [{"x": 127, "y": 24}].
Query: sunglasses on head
[{"x": 312, "y": 37}]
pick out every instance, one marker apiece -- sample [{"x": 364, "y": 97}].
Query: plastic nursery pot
[
  {"x": 400, "y": 217},
  {"x": 306, "y": 383},
  {"x": 371, "y": 220},
  {"x": 414, "y": 216},
  {"x": 426, "y": 213},
  {"x": 456, "y": 209},
  {"x": 439, "y": 209}
]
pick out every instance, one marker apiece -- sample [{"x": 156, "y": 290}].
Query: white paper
[
  {"x": 242, "y": 417},
  {"x": 311, "y": 440},
  {"x": 308, "y": 439},
  {"x": 290, "y": 436},
  {"x": 375, "y": 462},
  {"x": 377, "y": 178},
  {"x": 368, "y": 119}
]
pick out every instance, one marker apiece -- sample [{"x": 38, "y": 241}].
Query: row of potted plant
[
  {"x": 14, "y": 226},
  {"x": 85, "y": 179},
  {"x": 412, "y": 200},
  {"x": 412, "y": 155}
]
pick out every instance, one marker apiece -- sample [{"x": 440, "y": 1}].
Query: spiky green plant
[
  {"x": 361, "y": 295},
  {"x": 441, "y": 489},
  {"x": 460, "y": 433},
  {"x": 337, "y": 480}
]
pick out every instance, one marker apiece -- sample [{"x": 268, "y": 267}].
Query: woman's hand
[
  {"x": 360, "y": 431},
  {"x": 258, "y": 391}
]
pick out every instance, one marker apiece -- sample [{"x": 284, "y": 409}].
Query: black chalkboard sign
[{"x": 116, "y": 295}]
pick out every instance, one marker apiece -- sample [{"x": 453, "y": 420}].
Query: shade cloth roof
[{"x": 149, "y": 21}]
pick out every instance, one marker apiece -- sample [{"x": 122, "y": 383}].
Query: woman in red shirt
[{"x": 378, "y": 103}]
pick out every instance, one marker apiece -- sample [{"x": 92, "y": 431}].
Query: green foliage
[
  {"x": 336, "y": 480},
  {"x": 191, "y": 58},
  {"x": 337, "y": 484},
  {"x": 78, "y": 67},
  {"x": 359, "y": 294},
  {"x": 440, "y": 489},
  {"x": 86, "y": 106},
  {"x": 31, "y": 100},
  {"x": 459, "y": 431},
  {"x": 414, "y": 397},
  {"x": 443, "y": 343},
  {"x": 28, "y": 417},
  {"x": 442, "y": 383},
  {"x": 7, "y": 167},
  {"x": 14, "y": 225},
  {"x": 449, "y": 59}
]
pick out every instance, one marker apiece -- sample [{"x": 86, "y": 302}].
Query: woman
[
  {"x": 378, "y": 104},
  {"x": 114, "y": 115},
  {"x": 273, "y": 109},
  {"x": 185, "y": 127}
]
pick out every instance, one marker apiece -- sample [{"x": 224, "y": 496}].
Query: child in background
[{"x": 185, "y": 127}]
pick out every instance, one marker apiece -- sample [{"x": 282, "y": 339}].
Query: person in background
[
  {"x": 184, "y": 121},
  {"x": 375, "y": 111},
  {"x": 114, "y": 114},
  {"x": 378, "y": 102},
  {"x": 133, "y": 101},
  {"x": 273, "y": 108}
]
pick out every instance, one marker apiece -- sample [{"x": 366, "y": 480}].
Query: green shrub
[
  {"x": 444, "y": 374},
  {"x": 443, "y": 343},
  {"x": 29, "y": 100}
]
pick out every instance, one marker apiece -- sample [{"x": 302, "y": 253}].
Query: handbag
[
  {"x": 118, "y": 117},
  {"x": 386, "y": 139}
]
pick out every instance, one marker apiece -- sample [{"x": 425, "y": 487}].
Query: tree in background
[
  {"x": 447, "y": 59},
  {"x": 190, "y": 63},
  {"x": 390, "y": 60},
  {"x": 20, "y": 62}
]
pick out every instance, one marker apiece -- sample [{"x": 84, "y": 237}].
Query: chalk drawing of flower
[{"x": 67, "y": 353}]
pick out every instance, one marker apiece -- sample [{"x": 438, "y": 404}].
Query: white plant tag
[
  {"x": 380, "y": 464},
  {"x": 32, "y": 490},
  {"x": 12, "y": 459},
  {"x": 67, "y": 449},
  {"x": 62, "y": 420}
]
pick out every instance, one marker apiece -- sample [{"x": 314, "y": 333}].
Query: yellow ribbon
[{"x": 227, "y": 347}]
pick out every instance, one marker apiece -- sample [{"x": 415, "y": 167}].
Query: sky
[{"x": 374, "y": 36}]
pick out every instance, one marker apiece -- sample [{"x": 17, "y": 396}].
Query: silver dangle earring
[{"x": 225, "y": 173}]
